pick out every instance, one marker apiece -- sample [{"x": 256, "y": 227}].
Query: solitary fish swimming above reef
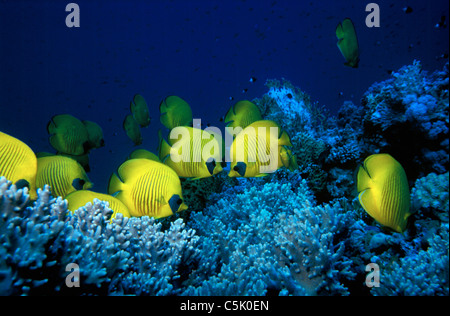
[
  {"x": 348, "y": 42},
  {"x": 383, "y": 191}
]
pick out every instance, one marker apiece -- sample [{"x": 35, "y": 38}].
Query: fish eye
[
  {"x": 240, "y": 168},
  {"x": 211, "y": 165},
  {"x": 78, "y": 183},
  {"x": 22, "y": 183},
  {"x": 175, "y": 202},
  {"x": 211, "y": 161}
]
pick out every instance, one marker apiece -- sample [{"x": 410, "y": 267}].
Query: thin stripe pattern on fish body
[{"x": 148, "y": 187}]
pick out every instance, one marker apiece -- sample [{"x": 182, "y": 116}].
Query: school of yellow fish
[{"x": 148, "y": 184}]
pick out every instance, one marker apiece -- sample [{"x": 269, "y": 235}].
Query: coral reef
[
  {"x": 430, "y": 196},
  {"x": 425, "y": 273},
  {"x": 300, "y": 232},
  {"x": 126, "y": 256},
  {"x": 269, "y": 240},
  {"x": 304, "y": 122},
  {"x": 410, "y": 110}
]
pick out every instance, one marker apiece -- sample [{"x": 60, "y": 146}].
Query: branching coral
[
  {"x": 270, "y": 240},
  {"x": 162, "y": 260},
  {"x": 425, "y": 273},
  {"x": 39, "y": 242}
]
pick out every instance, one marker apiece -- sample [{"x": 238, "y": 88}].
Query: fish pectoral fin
[
  {"x": 51, "y": 126},
  {"x": 284, "y": 140},
  {"x": 261, "y": 175}
]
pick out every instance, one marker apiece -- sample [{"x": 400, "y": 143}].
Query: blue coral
[
  {"x": 271, "y": 240},
  {"x": 425, "y": 273},
  {"x": 410, "y": 110},
  {"x": 430, "y": 196},
  {"x": 126, "y": 256}
]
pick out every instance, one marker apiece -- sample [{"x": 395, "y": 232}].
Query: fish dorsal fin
[
  {"x": 51, "y": 126},
  {"x": 340, "y": 31},
  {"x": 230, "y": 111},
  {"x": 284, "y": 140},
  {"x": 163, "y": 106},
  {"x": 132, "y": 169}
]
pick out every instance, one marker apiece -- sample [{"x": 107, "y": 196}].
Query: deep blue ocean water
[{"x": 203, "y": 51}]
